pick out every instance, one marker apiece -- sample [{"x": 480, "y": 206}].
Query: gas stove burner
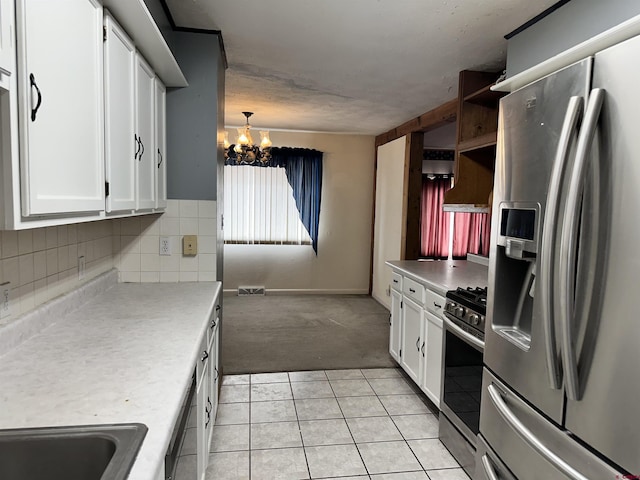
[{"x": 468, "y": 306}]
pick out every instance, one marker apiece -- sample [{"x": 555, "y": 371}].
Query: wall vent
[{"x": 244, "y": 291}]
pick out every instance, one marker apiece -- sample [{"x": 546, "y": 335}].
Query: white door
[
  {"x": 6, "y": 43},
  {"x": 61, "y": 106},
  {"x": 394, "y": 328},
  {"x": 432, "y": 371},
  {"x": 119, "y": 90},
  {"x": 412, "y": 335},
  {"x": 145, "y": 135},
  {"x": 161, "y": 144}
]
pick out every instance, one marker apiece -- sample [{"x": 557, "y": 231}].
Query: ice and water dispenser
[{"x": 515, "y": 274}]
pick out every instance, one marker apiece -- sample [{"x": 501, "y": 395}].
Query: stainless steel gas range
[{"x": 464, "y": 320}]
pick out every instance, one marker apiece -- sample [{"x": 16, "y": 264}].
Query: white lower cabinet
[
  {"x": 207, "y": 387},
  {"x": 432, "y": 369},
  {"x": 412, "y": 333},
  {"x": 395, "y": 322},
  {"x": 416, "y": 335}
]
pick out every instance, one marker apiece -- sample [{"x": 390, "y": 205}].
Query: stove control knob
[
  {"x": 460, "y": 311},
  {"x": 475, "y": 319},
  {"x": 450, "y": 307}
]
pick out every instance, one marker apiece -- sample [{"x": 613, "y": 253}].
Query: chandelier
[{"x": 244, "y": 151}]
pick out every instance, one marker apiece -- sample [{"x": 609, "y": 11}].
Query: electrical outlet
[
  {"x": 5, "y": 300},
  {"x": 165, "y": 245},
  {"x": 81, "y": 267}
]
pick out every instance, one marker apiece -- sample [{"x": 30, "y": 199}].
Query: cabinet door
[
  {"x": 161, "y": 144},
  {"x": 394, "y": 328},
  {"x": 202, "y": 428},
  {"x": 214, "y": 379},
  {"x": 145, "y": 135},
  {"x": 432, "y": 371},
  {"x": 412, "y": 333},
  {"x": 119, "y": 90},
  {"x": 61, "y": 106},
  {"x": 6, "y": 44}
]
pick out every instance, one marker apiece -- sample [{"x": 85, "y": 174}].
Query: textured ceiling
[{"x": 351, "y": 66}]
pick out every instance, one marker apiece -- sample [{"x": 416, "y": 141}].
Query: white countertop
[
  {"x": 441, "y": 276},
  {"x": 125, "y": 356}
]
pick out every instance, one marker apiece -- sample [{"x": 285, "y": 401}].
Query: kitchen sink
[{"x": 86, "y": 452}]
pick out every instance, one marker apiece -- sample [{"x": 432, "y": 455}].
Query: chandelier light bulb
[{"x": 265, "y": 141}]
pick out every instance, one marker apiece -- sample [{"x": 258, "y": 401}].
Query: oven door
[{"x": 462, "y": 379}]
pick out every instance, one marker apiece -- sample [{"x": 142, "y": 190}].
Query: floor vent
[{"x": 244, "y": 291}]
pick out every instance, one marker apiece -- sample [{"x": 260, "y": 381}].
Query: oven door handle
[
  {"x": 488, "y": 468},
  {"x": 462, "y": 334},
  {"x": 528, "y": 437}
]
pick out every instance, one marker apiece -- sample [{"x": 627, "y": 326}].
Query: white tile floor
[{"x": 334, "y": 424}]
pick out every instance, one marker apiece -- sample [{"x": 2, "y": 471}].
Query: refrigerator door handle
[
  {"x": 568, "y": 243},
  {"x": 546, "y": 267},
  {"x": 528, "y": 437},
  {"x": 488, "y": 468}
]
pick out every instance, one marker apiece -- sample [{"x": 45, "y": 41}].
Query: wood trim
[
  {"x": 373, "y": 219},
  {"x": 435, "y": 118},
  {"x": 412, "y": 196}
]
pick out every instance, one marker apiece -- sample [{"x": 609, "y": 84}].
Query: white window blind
[{"x": 259, "y": 207}]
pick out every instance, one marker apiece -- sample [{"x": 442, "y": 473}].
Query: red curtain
[
  {"x": 471, "y": 234},
  {"x": 434, "y": 223}
]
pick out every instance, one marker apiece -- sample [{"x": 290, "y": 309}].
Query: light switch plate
[{"x": 190, "y": 245}]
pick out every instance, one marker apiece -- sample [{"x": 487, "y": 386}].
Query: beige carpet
[{"x": 304, "y": 332}]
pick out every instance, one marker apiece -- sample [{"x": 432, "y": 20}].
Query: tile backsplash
[
  {"x": 136, "y": 244},
  {"x": 42, "y": 263}
]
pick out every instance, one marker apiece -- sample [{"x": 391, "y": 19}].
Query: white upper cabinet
[
  {"x": 145, "y": 154},
  {"x": 161, "y": 144},
  {"x": 7, "y": 50},
  {"x": 60, "y": 68},
  {"x": 120, "y": 143}
]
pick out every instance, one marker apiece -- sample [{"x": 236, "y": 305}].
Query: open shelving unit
[{"x": 476, "y": 138}]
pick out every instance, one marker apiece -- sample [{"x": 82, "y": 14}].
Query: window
[{"x": 259, "y": 207}]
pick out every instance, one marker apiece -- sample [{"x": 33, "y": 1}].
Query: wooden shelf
[
  {"x": 465, "y": 208},
  {"x": 485, "y": 96},
  {"x": 483, "y": 141}
]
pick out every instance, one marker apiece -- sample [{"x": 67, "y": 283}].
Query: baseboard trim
[{"x": 306, "y": 291}]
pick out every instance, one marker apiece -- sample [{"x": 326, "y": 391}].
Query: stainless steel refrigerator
[{"x": 561, "y": 384}]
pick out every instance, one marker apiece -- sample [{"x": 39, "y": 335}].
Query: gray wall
[
  {"x": 192, "y": 119},
  {"x": 568, "y": 26},
  {"x": 194, "y": 113}
]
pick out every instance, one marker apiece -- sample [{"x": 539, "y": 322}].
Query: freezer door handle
[
  {"x": 552, "y": 209},
  {"x": 528, "y": 437},
  {"x": 568, "y": 243},
  {"x": 488, "y": 468}
]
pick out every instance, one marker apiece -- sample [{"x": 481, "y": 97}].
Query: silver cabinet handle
[
  {"x": 418, "y": 344},
  {"x": 437, "y": 305},
  {"x": 488, "y": 468},
  {"x": 205, "y": 355},
  {"x": 568, "y": 243},
  {"x": 546, "y": 267},
  {"x": 529, "y": 438},
  {"x": 412, "y": 290},
  {"x": 422, "y": 349},
  {"x": 465, "y": 335}
]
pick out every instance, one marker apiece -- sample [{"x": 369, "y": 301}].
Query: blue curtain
[{"x": 303, "y": 168}]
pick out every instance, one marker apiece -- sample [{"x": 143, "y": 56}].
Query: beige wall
[
  {"x": 388, "y": 227},
  {"x": 344, "y": 243}
]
